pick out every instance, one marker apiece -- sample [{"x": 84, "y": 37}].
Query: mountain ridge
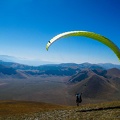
[
  {"x": 58, "y": 83},
  {"x": 12, "y": 59}
]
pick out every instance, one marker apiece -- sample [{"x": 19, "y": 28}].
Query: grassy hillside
[
  {"x": 13, "y": 108},
  {"x": 20, "y": 110}
]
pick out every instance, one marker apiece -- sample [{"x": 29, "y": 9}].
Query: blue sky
[{"x": 27, "y": 25}]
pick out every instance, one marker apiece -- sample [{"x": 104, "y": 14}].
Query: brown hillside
[
  {"x": 95, "y": 87},
  {"x": 82, "y": 75},
  {"x": 25, "y": 107},
  {"x": 114, "y": 72}
]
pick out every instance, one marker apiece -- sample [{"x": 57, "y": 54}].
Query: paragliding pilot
[{"x": 78, "y": 98}]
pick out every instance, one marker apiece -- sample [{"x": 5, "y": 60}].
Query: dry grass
[
  {"x": 21, "y": 108},
  {"x": 16, "y": 110}
]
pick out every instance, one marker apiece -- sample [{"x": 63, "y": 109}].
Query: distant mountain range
[
  {"x": 95, "y": 81},
  {"x": 84, "y": 74},
  {"x": 64, "y": 69},
  {"x": 26, "y": 61},
  {"x": 9, "y": 72}
]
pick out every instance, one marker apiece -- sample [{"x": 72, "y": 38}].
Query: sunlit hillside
[{"x": 20, "y": 110}]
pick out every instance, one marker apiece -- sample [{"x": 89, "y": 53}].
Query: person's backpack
[{"x": 80, "y": 99}]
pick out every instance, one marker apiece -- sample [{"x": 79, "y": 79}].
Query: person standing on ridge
[{"x": 78, "y": 98}]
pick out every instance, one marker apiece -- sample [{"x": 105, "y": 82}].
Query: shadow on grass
[{"x": 98, "y": 109}]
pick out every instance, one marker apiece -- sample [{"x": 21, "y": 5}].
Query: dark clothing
[{"x": 78, "y": 99}]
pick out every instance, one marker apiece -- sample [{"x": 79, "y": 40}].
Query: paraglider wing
[{"x": 92, "y": 35}]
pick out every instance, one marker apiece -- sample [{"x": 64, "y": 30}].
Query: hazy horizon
[{"x": 36, "y": 62}]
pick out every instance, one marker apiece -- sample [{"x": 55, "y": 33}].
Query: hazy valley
[{"x": 58, "y": 83}]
